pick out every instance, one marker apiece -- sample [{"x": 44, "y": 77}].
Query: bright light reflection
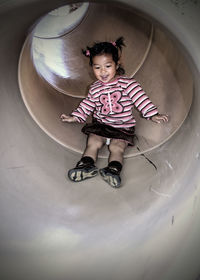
[
  {"x": 56, "y": 238},
  {"x": 60, "y": 21},
  {"x": 48, "y": 48},
  {"x": 48, "y": 56},
  {"x": 59, "y": 237}
]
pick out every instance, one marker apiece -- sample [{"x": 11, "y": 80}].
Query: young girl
[{"x": 110, "y": 101}]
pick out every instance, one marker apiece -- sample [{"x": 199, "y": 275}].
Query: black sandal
[
  {"x": 84, "y": 169},
  {"x": 111, "y": 176}
]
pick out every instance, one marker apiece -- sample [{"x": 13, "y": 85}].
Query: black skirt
[{"x": 108, "y": 131}]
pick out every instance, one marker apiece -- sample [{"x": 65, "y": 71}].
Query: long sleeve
[
  {"x": 85, "y": 108},
  {"x": 140, "y": 100}
]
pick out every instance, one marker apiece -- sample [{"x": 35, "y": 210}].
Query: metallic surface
[{"x": 53, "y": 229}]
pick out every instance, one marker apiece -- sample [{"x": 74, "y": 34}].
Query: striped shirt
[{"x": 112, "y": 103}]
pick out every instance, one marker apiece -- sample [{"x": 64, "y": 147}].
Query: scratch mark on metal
[
  {"x": 151, "y": 162},
  {"x": 194, "y": 205},
  {"x": 15, "y": 167},
  {"x": 159, "y": 193},
  {"x": 169, "y": 164},
  {"x": 198, "y": 156}
]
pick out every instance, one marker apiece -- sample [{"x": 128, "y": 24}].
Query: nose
[{"x": 103, "y": 70}]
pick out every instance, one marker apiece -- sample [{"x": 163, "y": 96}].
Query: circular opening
[
  {"x": 60, "y": 21},
  {"x": 54, "y": 75}
]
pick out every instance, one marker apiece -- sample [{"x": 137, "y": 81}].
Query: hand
[
  {"x": 65, "y": 118},
  {"x": 160, "y": 118}
]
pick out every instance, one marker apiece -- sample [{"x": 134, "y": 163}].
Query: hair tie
[
  {"x": 87, "y": 53},
  {"x": 113, "y": 43}
]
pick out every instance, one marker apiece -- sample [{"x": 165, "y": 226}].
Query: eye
[{"x": 108, "y": 66}]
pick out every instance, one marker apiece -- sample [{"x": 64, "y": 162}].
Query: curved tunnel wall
[
  {"x": 146, "y": 230},
  {"x": 150, "y": 54}
]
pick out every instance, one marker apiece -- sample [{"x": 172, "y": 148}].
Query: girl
[{"x": 110, "y": 100}]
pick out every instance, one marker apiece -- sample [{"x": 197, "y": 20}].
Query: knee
[
  {"x": 95, "y": 141},
  {"x": 117, "y": 146}
]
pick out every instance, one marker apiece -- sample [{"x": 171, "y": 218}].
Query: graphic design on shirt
[{"x": 110, "y": 103}]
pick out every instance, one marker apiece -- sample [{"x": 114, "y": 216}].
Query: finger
[
  {"x": 64, "y": 116},
  {"x": 68, "y": 119},
  {"x": 156, "y": 120},
  {"x": 165, "y": 118},
  {"x": 162, "y": 118},
  {"x": 63, "y": 119}
]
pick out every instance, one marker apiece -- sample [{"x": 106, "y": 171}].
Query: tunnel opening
[{"x": 54, "y": 76}]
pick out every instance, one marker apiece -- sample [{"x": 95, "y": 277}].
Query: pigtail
[
  {"x": 86, "y": 52},
  {"x": 120, "y": 43}
]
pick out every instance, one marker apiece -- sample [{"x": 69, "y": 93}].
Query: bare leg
[
  {"x": 117, "y": 148},
  {"x": 94, "y": 143}
]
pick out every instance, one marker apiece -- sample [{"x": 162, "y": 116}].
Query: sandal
[
  {"x": 111, "y": 176},
  {"x": 82, "y": 171}
]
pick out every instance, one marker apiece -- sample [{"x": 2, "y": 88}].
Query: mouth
[{"x": 104, "y": 78}]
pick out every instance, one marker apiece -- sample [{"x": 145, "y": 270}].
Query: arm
[
  {"x": 144, "y": 104},
  {"x": 80, "y": 114},
  {"x": 140, "y": 100}
]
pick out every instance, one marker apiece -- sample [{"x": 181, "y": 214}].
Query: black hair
[{"x": 113, "y": 48}]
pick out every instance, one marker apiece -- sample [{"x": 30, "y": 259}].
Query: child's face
[{"x": 104, "y": 68}]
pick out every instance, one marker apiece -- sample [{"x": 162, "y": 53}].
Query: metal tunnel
[{"x": 51, "y": 228}]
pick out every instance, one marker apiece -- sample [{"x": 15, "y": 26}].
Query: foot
[
  {"x": 111, "y": 176},
  {"x": 82, "y": 172}
]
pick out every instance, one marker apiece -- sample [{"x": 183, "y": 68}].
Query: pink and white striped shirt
[{"x": 112, "y": 103}]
